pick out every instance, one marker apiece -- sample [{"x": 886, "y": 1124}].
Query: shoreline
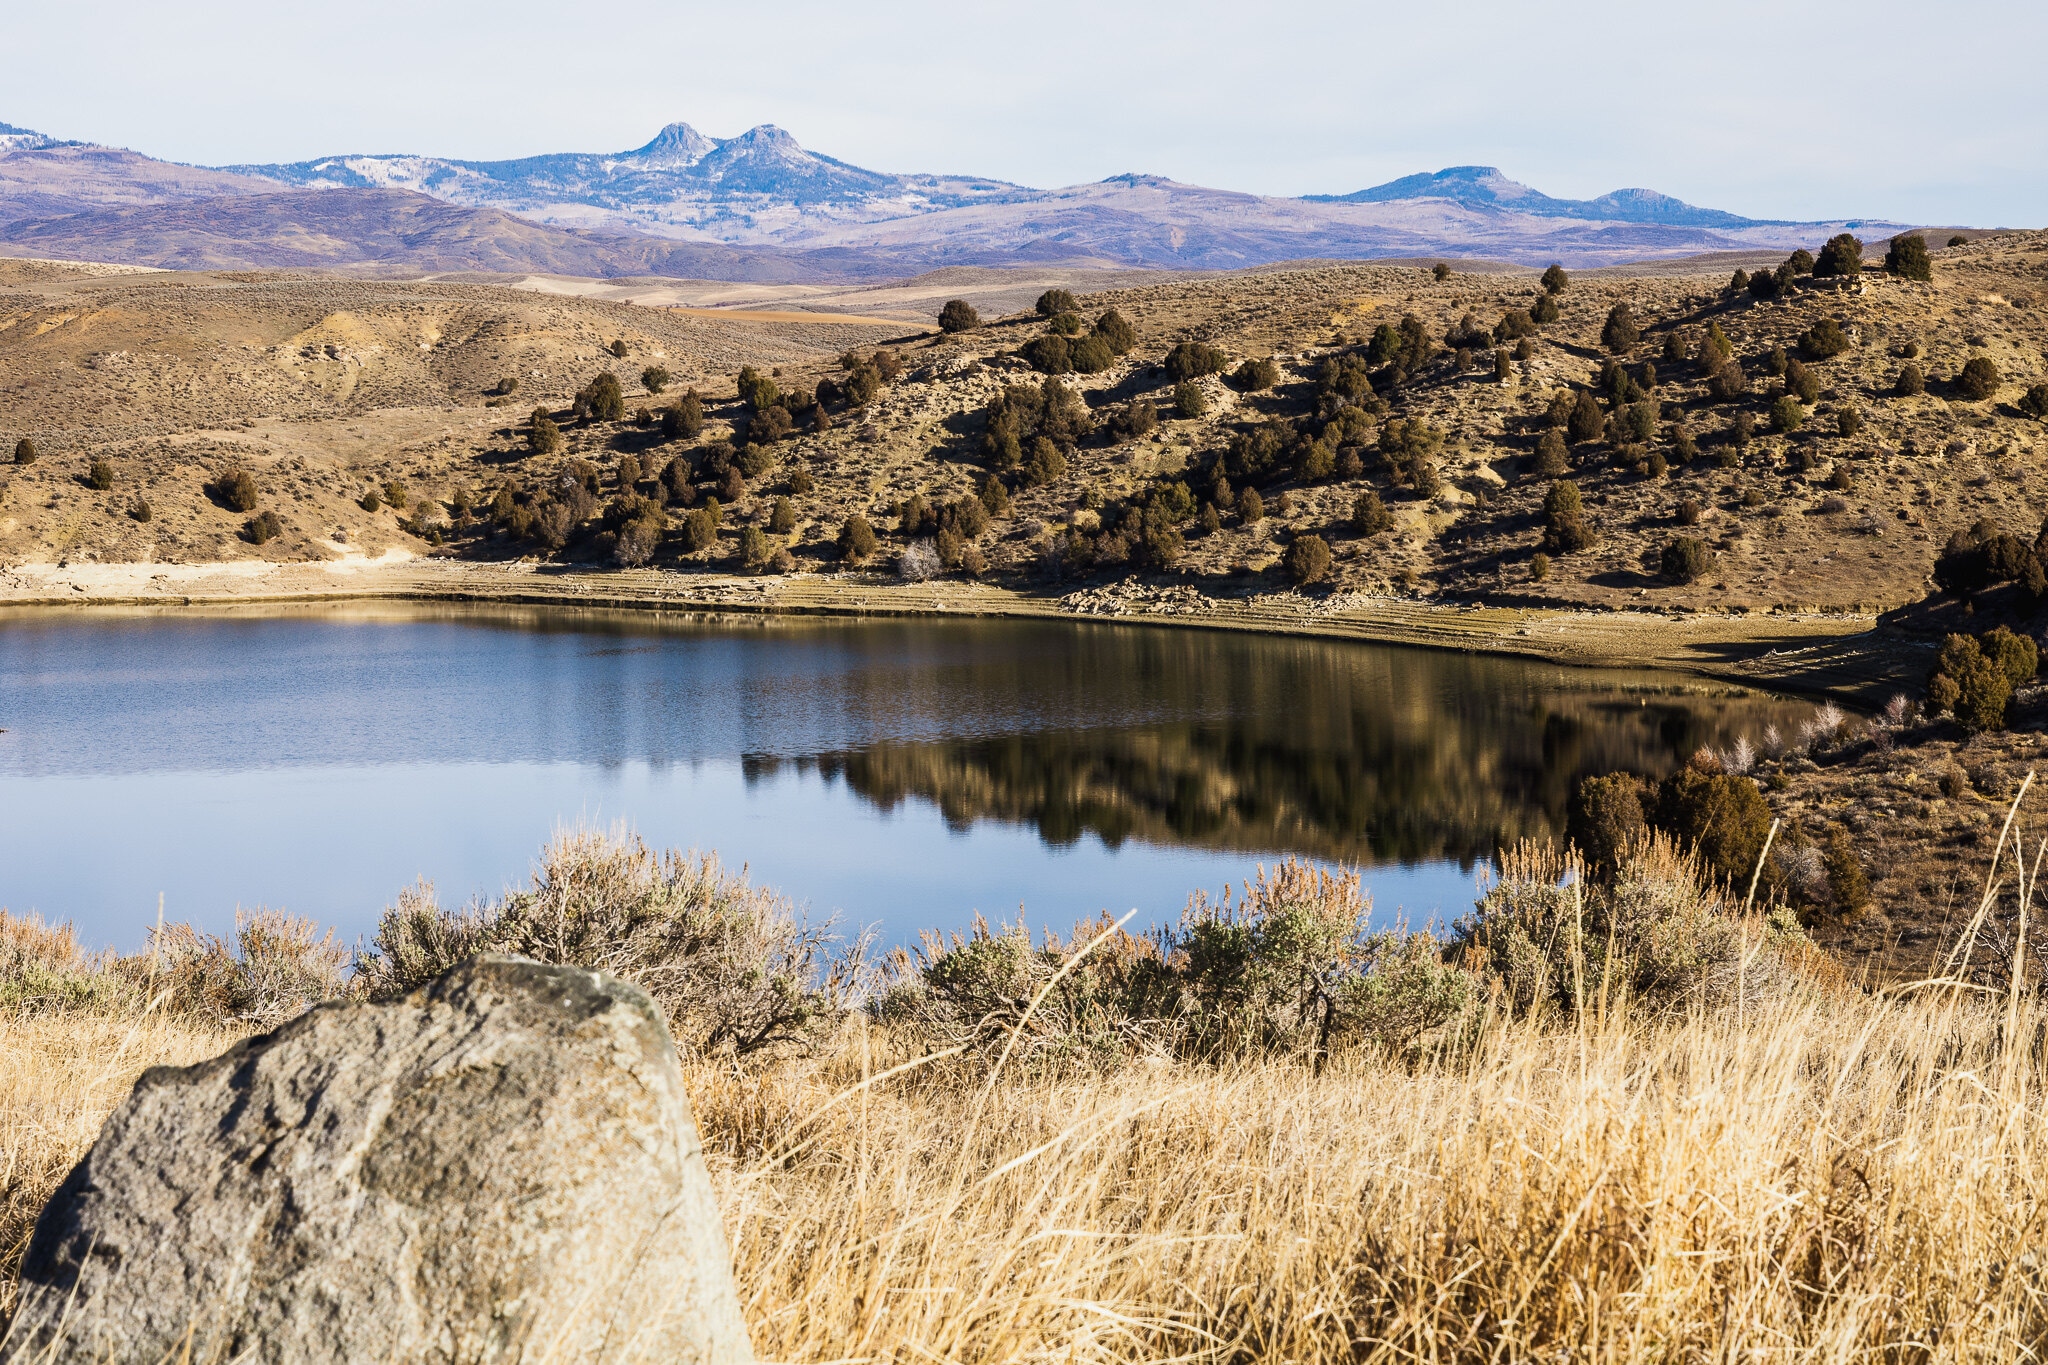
[{"x": 1842, "y": 654}]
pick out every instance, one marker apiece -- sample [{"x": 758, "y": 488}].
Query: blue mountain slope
[{"x": 1485, "y": 186}]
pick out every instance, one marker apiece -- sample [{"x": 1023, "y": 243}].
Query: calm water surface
[{"x": 903, "y": 775}]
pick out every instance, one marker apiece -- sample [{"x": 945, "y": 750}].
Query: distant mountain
[
  {"x": 1485, "y": 185},
  {"x": 746, "y": 188},
  {"x": 760, "y": 207}
]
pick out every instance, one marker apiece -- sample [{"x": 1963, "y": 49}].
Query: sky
[{"x": 1914, "y": 112}]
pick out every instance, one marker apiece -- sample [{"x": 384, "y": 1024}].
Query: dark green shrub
[
  {"x": 1685, "y": 559},
  {"x": 1800, "y": 262},
  {"x": 1539, "y": 567},
  {"x": 100, "y": 474},
  {"x": 1776, "y": 360},
  {"x": 654, "y": 378},
  {"x": 1587, "y": 422},
  {"x": 370, "y": 501},
  {"x": 1824, "y": 340},
  {"x": 543, "y": 437},
  {"x": 1308, "y": 560},
  {"x": 1369, "y": 515},
  {"x": 732, "y": 484},
  {"x": 1515, "y": 324},
  {"x": 1251, "y": 508},
  {"x": 856, "y": 540},
  {"x": 618, "y": 349},
  {"x": 235, "y": 489},
  {"x": 1621, "y": 331},
  {"x": 1689, "y": 512},
  {"x": 1605, "y": 819},
  {"x": 1091, "y": 355},
  {"x": 1722, "y": 817},
  {"x": 1846, "y": 883},
  {"x": 263, "y": 528},
  {"x": 601, "y": 399},
  {"x": 1045, "y": 465},
  {"x": 1848, "y": 421},
  {"x": 1503, "y": 368},
  {"x": 1441, "y": 271},
  {"x": 700, "y": 528},
  {"x": 1068, "y": 325},
  {"x": 2034, "y": 402},
  {"x": 1786, "y": 414},
  {"x": 1742, "y": 430},
  {"x": 1907, "y": 258},
  {"x": 1979, "y": 378},
  {"x": 1801, "y": 382},
  {"x": 755, "y": 548},
  {"x": 1550, "y": 455},
  {"x": 1841, "y": 258},
  {"x": 1738, "y": 283},
  {"x": 1970, "y": 685},
  {"x": 958, "y": 316},
  {"x": 1644, "y": 418},
  {"x": 1544, "y": 311},
  {"x": 1564, "y": 519},
  {"x": 1049, "y": 354},
  {"x": 770, "y": 424},
  {"x": 1911, "y": 382},
  {"x": 1684, "y": 446},
  {"x": 507, "y": 386},
  {"x": 1193, "y": 360},
  {"x": 758, "y": 391},
  {"x": 1555, "y": 281},
  {"x": 1053, "y": 302},
  {"x": 683, "y": 420},
  {"x": 1255, "y": 375},
  {"x": 782, "y": 517},
  {"x": 25, "y": 451},
  {"x": 1188, "y": 400},
  {"x": 1116, "y": 331},
  {"x": 2017, "y": 656},
  {"x": 1959, "y": 240}
]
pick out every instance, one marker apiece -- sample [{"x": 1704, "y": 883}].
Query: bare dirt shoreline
[{"x": 1843, "y": 654}]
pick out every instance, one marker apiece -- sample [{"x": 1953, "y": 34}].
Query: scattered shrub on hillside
[
  {"x": 543, "y": 437},
  {"x": 507, "y": 386},
  {"x": 234, "y": 488},
  {"x": 1115, "y": 331},
  {"x": 758, "y": 391},
  {"x": 1544, "y": 310},
  {"x": 1022, "y": 412},
  {"x": 1979, "y": 378},
  {"x": 1907, "y": 258},
  {"x": 1847, "y": 886},
  {"x": 1515, "y": 325},
  {"x": 1848, "y": 421},
  {"x": 1605, "y": 820},
  {"x": 262, "y": 528},
  {"x": 1685, "y": 559},
  {"x": 1554, "y": 280},
  {"x": 1800, "y": 262},
  {"x": 600, "y": 400},
  {"x": 1620, "y": 333},
  {"x": 958, "y": 316},
  {"x": 1801, "y": 382},
  {"x": 618, "y": 349},
  {"x": 1824, "y": 340},
  {"x": 1441, "y": 271},
  {"x": 1721, "y": 816},
  {"x": 1091, "y": 355},
  {"x": 25, "y": 451},
  {"x": 1255, "y": 375},
  {"x": 1048, "y": 354},
  {"x": 1841, "y": 258},
  {"x": 99, "y": 474},
  {"x": 1045, "y": 465},
  {"x": 655, "y": 378},
  {"x": 1974, "y": 684},
  {"x": 1193, "y": 360},
  {"x": 1539, "y": 567},
  {"x": 1587, "y": 422},
  {"x": 1369, "y": 515},
  {"x": 1550, "y": 460},
  {"x": 1643, "y": 418},
  {"x": 1738, "y": 283},
  {"x": 737, "y": 969},
  {"x": 1053, "y": 302},
  {"x": 140, "y": 508},
  {"x": 1308, "y": 560},
  {"x": 1564, "y": 519},
  {"x": 1786, "y": 414},
  {"x": 1067, "y": 324},
  {"x": 856, "y": 540},
  {"x": 1188, "y": 400},
  {"x": 782, "y": 517},
  {"x": 1689, "y": 512},
  {"x": 2034, "y": 402},
  {"x": 1133, "y": 419},
  {"x": 700, "y": 527},
  {"x": 1911, "y": 382},
  {"x": 1251, "y": 508},
  {"x": 1503, "y": 367}
]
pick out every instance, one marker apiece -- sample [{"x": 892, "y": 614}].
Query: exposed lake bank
[{"x": 1840, "y": 653}]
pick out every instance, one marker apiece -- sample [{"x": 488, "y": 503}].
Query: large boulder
[{"x": 501, "y": 1166}]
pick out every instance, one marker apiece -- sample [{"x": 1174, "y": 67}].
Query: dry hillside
[{"x": 324, "y": 389}]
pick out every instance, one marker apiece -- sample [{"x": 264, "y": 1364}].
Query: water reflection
[{"x": 324, "y": 757}]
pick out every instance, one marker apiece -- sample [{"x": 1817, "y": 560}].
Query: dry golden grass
[
  {"x": 1838, "y": 1179},
  {"x": 1828, "y": 1176}
]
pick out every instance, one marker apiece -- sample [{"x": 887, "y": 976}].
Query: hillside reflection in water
[{"x": 900, "y": 771}]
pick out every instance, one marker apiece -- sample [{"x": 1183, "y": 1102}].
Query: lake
[{"x": 900, "y": 774}]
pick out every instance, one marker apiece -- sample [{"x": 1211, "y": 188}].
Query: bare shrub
[
  {"x": 735, "y": 967},
  {"x": 276, "y": 966},
  {"x": 919, "y": 562}
]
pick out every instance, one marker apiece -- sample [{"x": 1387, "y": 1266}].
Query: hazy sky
[{"x": 1924, "y": 112}]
